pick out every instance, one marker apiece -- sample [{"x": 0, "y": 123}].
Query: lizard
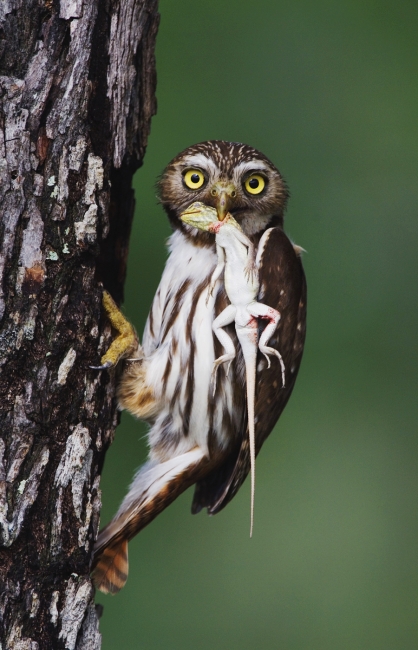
[{"x": 238, "y": 260}]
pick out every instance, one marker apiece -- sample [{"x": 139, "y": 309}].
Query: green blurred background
[{"x": 327, "y": 90}]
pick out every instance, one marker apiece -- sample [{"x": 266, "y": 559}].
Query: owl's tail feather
[
  {"x": 155, "y": 486},
  {"x": 111, "y": 570}
]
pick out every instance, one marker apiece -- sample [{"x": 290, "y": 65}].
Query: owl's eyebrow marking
[
  {"x": 202, "y": 161},
  {"x": 251, "y": 165}
]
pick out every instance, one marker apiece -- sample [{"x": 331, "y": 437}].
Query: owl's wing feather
[
  {"x": 283, "y": 287},
  {"x": 155, "y": 486}
]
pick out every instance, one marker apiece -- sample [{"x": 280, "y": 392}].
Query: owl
[{"x": 198, "y": 436}]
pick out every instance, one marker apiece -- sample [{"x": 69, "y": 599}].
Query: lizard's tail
[
  {"x": 249, "y": 349},
  {"x": 251, "y": 435}
]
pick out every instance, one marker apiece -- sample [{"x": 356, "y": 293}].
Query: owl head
[{"x": 228, "y": 176}]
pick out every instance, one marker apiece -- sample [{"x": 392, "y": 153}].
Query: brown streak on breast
[
  {"x": 151, "y": 321},
  {"x": 177, "y": 304},
  {"x": 190, "y": 341},
  {"x": 189, "y": 390}
]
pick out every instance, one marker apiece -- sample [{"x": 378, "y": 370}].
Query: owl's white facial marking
[
  {"x": 202, "y": 162},
  {"x": 242, "y": 169}
]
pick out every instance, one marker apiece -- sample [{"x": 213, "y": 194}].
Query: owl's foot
[{"x": 125, "y": 343}]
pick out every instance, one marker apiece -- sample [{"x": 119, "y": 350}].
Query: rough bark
[{"x": 77, "y": 81}]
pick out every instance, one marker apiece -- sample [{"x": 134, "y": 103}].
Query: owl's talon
[
  {"x": 104, "y": 366},
  {"x": 125, "y": 343}
]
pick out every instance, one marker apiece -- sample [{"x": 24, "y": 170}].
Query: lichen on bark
[{"x": 77, "y": 82}]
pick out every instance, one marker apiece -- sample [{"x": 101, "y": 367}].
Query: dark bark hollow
[{"x": 77, "y": 81}]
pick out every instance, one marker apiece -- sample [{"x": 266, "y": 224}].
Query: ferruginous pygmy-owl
[{"x": 195, "y": 436}]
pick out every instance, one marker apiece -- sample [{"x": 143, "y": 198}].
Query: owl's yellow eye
[
  {"x": 194, "y": 179},
  {"x": 255, "y": 184}
]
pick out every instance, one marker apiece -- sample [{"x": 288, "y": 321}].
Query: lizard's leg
[
  {"x": 126, "y": 341},
  {"x": 225, "y": 318},
  {"x": 259, "y": 310}
]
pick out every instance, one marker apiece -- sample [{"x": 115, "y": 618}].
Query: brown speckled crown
[{"x": 226, "y": 155}]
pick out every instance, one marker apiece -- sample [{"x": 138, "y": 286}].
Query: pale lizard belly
[{"x": 239, "y": 288}]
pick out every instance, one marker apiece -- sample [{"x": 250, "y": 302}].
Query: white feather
[
  {"x": 249, "y": 166},
  {"x": 201, "y": 161},
  {"x": 153, "y": 476}
]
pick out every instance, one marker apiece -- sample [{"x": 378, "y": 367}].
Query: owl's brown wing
[{"x": 282, "y": 286}]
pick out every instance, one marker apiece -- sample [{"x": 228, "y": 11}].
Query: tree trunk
[{"x": 76, "y": 98}]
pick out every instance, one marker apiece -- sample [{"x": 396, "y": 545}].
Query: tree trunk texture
[{"x": 77, "y": 81}]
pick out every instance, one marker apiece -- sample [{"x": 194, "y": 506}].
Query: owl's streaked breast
[{"x": 179, "y": 345}]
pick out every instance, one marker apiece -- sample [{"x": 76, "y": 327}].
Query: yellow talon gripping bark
[{"x": 126, "y": 341}]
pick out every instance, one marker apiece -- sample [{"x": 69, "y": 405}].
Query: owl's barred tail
[
  {"x": 155, "y": 486},
  {"x": 111, "y": 571}
]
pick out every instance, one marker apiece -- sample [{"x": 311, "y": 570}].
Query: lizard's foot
[
  {"x": 126, "y": 341},
  {"x": 270, "y": 352},
  {"x": 251, "y": 272},
  {"x": 218, "y": 362}
]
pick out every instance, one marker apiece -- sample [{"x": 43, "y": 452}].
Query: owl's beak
[{"x": 223, "y": 192}]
